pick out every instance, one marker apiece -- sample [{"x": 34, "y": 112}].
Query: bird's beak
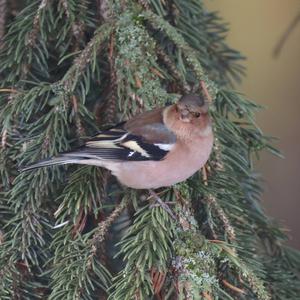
[
  {"x": 185, "y": 120},
  {"x": 184, "y": 116}
]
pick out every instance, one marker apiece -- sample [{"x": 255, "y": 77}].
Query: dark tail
[{"x": 51, "y": 162}]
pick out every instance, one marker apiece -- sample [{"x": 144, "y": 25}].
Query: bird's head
[
  {"x": 189, "y": 117},
  {"x": 191, "y": 108}
]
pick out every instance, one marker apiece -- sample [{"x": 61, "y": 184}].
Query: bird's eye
[{"x": 197, "y": 114}]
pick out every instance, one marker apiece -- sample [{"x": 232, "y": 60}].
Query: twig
[
  {"x": 232, "y": 287},
  {"x": 205, "y": 90},
  {"x": 79, "y": 128},
  {"x": 76, "y": 27},
  {"x": 207, "y": 296},
  {"x": 85, "y": 57},
  {"x": 104, "y": 9},
  {"x": 189, "y": 53},
  {"x": 110, "y": 107},
  {"x": 36, "y": 22},
  {"x": 9, "y": 91},
  {"x": 157, "y": 279},
  {"x": 181, "y": 85},
  {"x": 162, "y": 204},
  {"x": 173, "y": 70},
  {"x": 157, "y": 73},
  {"x": 285, "y": 36},
  {"x": 218, "y": 163},
  {"x": 80, "y": 223},
  {"x": 185, "y": 215},
  {"x": 221, "y": 214},
  {"x": 103, "y": 227},
  {"x": 204, "y": 175},
  {"x": 4, "y": 138},
  {"x": 144, "y": 3}
]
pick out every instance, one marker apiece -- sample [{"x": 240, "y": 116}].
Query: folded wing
[
  {"x": 143, "y": 138},
  {"x": 119, "y": 144}
]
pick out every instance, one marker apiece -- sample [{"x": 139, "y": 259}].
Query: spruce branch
[
  {"x": 173, "y": 69},
  {"x": 162, "y": 204},
  {"x": 104, "y": 9},
  {"x": 111, "y": 102},
  {"x": 77, "y": 272},
  {"x": 28, "y": 55},
  {"x": 76, "y": 27},
  {"x": 36, "y": 24},
  {"x": 138, "y": 87},
  {"x": 106, "y": 112},
  {"x": 178, "y": 40},
  {"x": 3, "y": 11},
  {"x": 221, "y": 214},
  {"x": 145, "y": 247},
  {"x": 75, "y": 196},
  {"x": 87, "y": 57},
  {"x": 193, "y": 267},
  {"x": 203, "y": 31},
  {"x": 221, "y": 246},
  {"x": 102, "y": 229},
  {"x": 25, "y": 238},
  {"x": 74, "y": 23}
]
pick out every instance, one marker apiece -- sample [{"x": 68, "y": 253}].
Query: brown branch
[
  {"x": 204, "y": 175},
  {"x": 111, "y": 105},
  {"x": 80, "y": 223},
  {"x": 207, "y": 296},
  {"x": 278, "y": 48},
  {"x": 9, "y": 91},
  {"x": 205, "y": 90},
  {"x": 157, "y": 73},
  {"x": 4, "y": 138},
  {"x": 157, "y": 280},
  {"x": 106, "y": 110},
  {"x": 232, "y": 287},
  {"x": 80, "y": 131}
]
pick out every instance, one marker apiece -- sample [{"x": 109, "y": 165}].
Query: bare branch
[{"x": 278, "y": 48}]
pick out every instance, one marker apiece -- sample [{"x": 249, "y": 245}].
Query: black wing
[
  {"x": 148, "y": 142},
  {"x": 119, "y": 144}
]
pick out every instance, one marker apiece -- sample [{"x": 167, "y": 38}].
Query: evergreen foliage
[{"x": 69, "y": 68}]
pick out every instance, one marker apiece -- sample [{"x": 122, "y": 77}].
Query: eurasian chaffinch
[{"x": 155, "y": 149}]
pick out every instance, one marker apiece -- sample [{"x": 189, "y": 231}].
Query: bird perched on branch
[{"x": 155, "y": 149}]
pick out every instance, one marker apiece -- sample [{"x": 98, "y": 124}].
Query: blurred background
[{"x": 255, "y": 29}]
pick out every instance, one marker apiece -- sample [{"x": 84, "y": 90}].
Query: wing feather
[
  {"x": 143, "y": 138},
  {"x": 138, "y": 141}
]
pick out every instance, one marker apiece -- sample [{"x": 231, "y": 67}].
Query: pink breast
[{"x": 181, "y": 163}]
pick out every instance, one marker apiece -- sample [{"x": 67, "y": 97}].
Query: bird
[{"x": 154, "y": 149}]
